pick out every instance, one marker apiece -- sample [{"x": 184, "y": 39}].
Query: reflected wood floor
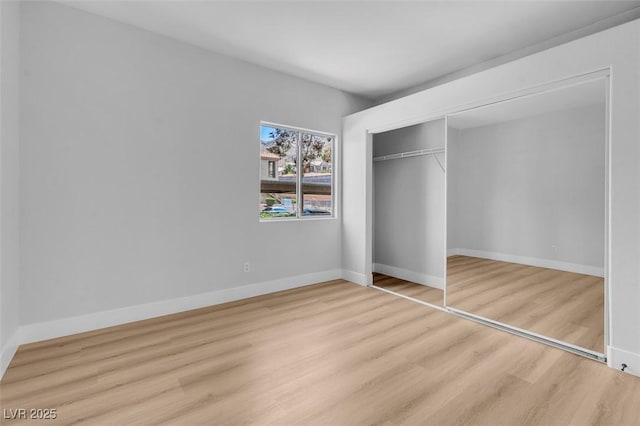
[
  {"x": 417, "y": 291},
  {"x": 562, "y": 305},
  {"x": 328, "y": 354}
]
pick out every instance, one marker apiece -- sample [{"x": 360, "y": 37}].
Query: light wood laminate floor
[
  {"x": 417, "y": 291},
  {"x": 329, "y": 354},
  {"x": 563, "y": 305}
]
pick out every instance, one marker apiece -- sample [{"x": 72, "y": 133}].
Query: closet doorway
[{"x": 409, "y": 212}]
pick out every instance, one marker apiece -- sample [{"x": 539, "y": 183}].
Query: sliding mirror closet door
[
  {"x": 408, "y": 216},
  {"x": 526, "y": 214}
]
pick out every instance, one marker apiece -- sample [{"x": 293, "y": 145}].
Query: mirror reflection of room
[
  {"x": 526, "y": 214},
  {"x": 408, "y": 192}
]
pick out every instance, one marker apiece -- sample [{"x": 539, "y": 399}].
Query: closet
[
  {"x": 498, "y": 213},
  {"x": 409, "y": 213}
]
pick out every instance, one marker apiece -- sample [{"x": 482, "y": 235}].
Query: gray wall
[
  {"x": 140, "y": 167},
  {"x": 409, "y": 202},
  {"x": 524, "y": 186},
  {"x": 9, "y": 173}
]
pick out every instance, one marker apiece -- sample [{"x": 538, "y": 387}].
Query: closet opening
[{"x": 408, "y": 234}]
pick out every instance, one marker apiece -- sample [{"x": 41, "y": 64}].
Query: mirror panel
[{"x": 526, "y": 202}]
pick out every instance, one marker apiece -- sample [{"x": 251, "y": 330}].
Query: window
[{"x": 296, "y": 173}]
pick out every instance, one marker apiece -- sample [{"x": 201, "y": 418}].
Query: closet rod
[
  {"x": 409, "y": 154},
  {"x": 429, "y": 151}
]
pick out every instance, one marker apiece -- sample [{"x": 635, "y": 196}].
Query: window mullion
[{"x": 299, "y": 195}]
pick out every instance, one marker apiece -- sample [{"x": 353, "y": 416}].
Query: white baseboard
[
  {"x": 405, "y": 274},
  {"x": 531, "y": 261},
  {"x": 616, "y": 357},
  {"x": 354, "y": 277},
  {"x": 453, "y": 252},
  {"x": 66, "y": 326},
  {"x": 8, "y": 351}
]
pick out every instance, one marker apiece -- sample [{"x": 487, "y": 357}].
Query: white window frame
[{"x": 299, "y": 175}]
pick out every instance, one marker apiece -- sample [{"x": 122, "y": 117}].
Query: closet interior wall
[{"x": 409, "y": 206}]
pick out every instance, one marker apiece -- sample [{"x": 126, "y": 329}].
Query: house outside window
[{"x": 269, "y": 165}]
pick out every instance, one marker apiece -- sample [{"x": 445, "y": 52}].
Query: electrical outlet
[{"x": 245, "y": 267}]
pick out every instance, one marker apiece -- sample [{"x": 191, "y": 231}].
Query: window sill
[{"x": 297, "y": 219}]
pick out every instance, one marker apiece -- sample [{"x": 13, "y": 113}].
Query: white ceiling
[{"x": 371, "y": 48}]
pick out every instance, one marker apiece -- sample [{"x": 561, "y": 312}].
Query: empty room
[{"x": 319, "y": 213}]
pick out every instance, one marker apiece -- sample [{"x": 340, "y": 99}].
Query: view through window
[{"x": 296, "y": 173}]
